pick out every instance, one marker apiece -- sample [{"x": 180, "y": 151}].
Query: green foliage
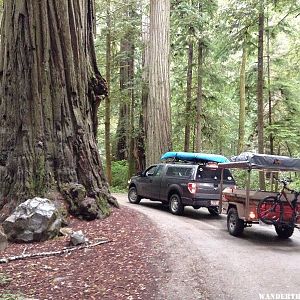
[
  {"x": 8, "y": 295},
  {"x": 223, "y": 27},
  {"x": 4, "y": 279},
  {"x": 119, "y": 175},
  {"x": 11, "y": 296}
]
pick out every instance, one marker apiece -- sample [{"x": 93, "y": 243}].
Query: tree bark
[
  {"x": 260, "y": 89},
  {"x": 107, "y": 98},
  {"x": 199, "y": 104},
  {"x": 242, "y": 111},
  {"x": 187, "y": 132},
  {"x": 158, "y": 105},
  {"x": 50, "y": 90}
]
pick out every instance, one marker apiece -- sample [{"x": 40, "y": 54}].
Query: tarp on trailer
[
  {"x": 195, "y": 157},
  {"x": 263, "y": 161}
]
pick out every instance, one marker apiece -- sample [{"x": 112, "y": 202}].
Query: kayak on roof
[{"x": 196, "y": 157}]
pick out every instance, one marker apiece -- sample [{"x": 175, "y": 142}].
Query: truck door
[{"x": 154, "y": 185}]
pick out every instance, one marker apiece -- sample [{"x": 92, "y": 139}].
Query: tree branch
[{"x": 50, "y": 253}]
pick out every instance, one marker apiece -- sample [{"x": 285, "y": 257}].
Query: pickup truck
[{"x": 179, "y": 185}]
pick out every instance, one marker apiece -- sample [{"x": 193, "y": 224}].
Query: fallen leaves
[{"x": 126, "y": 268}]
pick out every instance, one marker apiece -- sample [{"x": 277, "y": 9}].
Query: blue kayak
[{"x": 196, "y": 157}]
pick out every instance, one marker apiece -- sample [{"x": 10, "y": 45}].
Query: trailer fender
[{"x": 239, "y": 207}]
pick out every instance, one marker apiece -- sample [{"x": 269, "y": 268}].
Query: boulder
[
  {"x": 36, "y": 219},
  {"x": 3, "y": 240},
  {"x": 78, "y": 238}
]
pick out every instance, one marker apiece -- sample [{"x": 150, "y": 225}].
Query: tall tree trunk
[
  {"x": 242, "y": 111},
  {"x": 131, "y": 138},
  {"x": 260, "y": 89},
  {"x": 271, "y": 137},
  {"x": 107, "y": 98},
  {"x": 140, "y": 151},
  {"x": 187, "y": 133},
  {"x": 198, "y": 130},
  {"x": 50, "y": 92},
  {"x": 158, "y": 104},
  {"x": 122, "y": 134}
]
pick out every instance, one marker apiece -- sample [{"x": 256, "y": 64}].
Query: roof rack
[{"x": 179, "y": 161}]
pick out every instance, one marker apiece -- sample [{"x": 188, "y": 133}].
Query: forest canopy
[{"x": 221, "y": 31}]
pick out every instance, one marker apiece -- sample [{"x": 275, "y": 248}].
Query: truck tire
[
  {"x": 214, "y": 211},
  {"x": 175, "y": 205},
  {"x": 235, "y": 225},
  {"x": 284, "y": 232},
  {"x": 133, "y": 196}
]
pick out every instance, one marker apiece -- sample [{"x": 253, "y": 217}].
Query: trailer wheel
[
  {"x": 235, "y": 225},
  {"x": 284, "y": 232}
]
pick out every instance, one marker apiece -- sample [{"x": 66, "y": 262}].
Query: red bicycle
[{"x": 280, "y": 211}]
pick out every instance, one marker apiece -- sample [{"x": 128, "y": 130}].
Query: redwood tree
[
  {"x": 50, "y": 89},
  {"x": 158, "y": 118}
]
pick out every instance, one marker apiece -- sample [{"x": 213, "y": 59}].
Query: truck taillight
[{"x": 192, "y": 187}]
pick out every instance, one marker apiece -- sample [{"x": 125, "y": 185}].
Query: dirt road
[{"x": 205, "y": 262}]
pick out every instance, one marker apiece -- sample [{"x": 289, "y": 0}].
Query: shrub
[{"x": 119, "y": 170}]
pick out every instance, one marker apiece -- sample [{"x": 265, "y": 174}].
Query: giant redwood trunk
[
  {"x": 50, "y": 92},
  {"x": 158, "y": 119}
]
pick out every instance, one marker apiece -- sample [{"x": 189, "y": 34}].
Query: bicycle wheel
[{"x": 269, "y": 210}]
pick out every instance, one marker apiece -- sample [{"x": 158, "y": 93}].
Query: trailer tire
[
  {"x": 284, "y": 232},
  {"x": 235, "y": 225}
]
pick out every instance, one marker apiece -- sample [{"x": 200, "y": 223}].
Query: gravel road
[{"x": 205, "y": 262}]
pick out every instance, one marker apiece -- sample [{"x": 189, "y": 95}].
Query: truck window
[
  {"x": 179, "y": 171},
  {"x": 213, "y": 174},
  {"x": 158, "y": 170}
]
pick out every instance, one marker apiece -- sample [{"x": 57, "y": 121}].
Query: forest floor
[{"x": 131, "y": 266}]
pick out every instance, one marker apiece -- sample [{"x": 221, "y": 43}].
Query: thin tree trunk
[
  {"x": 242, "y": 111},
  {"x": 122, "y": 133},
  {"x": 271, "y": 138},
  {"x": 50, "y": 92},
  {"x": 141, "y": 138},
  {"x": 187, "y": 134},
  {"x": 131, "y": 158},
  {"x": 158, "y": 104},
  {"x": 260, "y": 87},
  {"x": 199, "y": 104},
  {"x": 107, "y": 98}
]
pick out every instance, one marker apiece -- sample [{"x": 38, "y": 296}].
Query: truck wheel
[
  {"x": 133, "y": 196},
  {"x": 214, "y": 211},
  {"x": 235, "y": 225},
  {"x": 284, "y": 232},
  {"x": 175, "y": 205}
]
